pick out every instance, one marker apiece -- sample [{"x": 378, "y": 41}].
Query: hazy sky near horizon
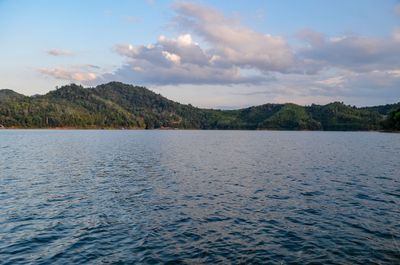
[{"x": 221, "y": 54}]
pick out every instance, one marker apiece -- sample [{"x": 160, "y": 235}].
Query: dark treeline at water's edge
[{"x": 118, "y": 105}]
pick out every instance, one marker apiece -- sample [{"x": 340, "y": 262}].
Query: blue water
[{"x": 190, "y": 197}]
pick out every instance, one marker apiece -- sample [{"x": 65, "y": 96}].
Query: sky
[{"x": 214, "y": 54}]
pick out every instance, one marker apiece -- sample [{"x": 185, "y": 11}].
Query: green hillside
[
  {"x": 392, "y": 123},
  {"x": 117, "y": 105}
]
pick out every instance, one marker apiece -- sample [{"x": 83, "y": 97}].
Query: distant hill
[
  {"x": 392, "y": 123},
  {"x": 118, "y": 105},
  {"x": 9, "y": 95}
]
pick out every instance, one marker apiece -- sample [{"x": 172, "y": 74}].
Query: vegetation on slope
[
  {"x": 292, "y": 117},
  {"x": 117, "y": 105},
  {"x": 392, "y": 123},
  {"x": 338, "y": 116}
]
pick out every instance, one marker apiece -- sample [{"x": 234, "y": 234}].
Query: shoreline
[{"x": 180, "y": 129}]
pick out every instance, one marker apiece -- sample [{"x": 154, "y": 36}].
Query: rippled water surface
[{"x": 189, "y": 197}]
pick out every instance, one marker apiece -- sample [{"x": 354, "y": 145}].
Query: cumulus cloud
[
  {"x": 233, "y": 42},
  {"x": 217, "y": 50},
  {"x": 356, "y": 53},
  {"x": 233, "y": 54},
  {"x": 372, "y": 88},
  {"x": 59, "y": 52},
  {"x": 83, "y": 73},
  {"x": 176, "y": 61}
]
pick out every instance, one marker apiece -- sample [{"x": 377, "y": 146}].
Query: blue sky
[{"x": 224, "y": 54}]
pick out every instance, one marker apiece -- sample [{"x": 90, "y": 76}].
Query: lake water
[{"x": 184, "y": 197}]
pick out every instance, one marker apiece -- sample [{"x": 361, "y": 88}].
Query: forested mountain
[
  {"x": 392, "y": 123},
  {"x": 117, "y": 105}
]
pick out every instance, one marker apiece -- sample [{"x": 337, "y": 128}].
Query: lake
[{"x": 189, "y": 197}]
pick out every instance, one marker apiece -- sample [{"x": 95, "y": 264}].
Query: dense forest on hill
[{"x": 118, "y": 105}]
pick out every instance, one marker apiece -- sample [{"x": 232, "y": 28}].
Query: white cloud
[
  {"x": 355, "y": 53},
  {"x": 332, "y": 81},
  {"x": 394, "y": 73},
  {"x": 233, "y": 42},
  {"x": 182, "y": 40},
  {"x": 176, "y": 61},
  {"x": 172, "y": 57},
  {"x": 216, "y": 50},
  {"x": 234, "y": 53},
  {"x": 73, "y": 75},
  {"x": 59, "y": 52}
]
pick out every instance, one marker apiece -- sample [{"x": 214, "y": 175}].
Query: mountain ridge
[{"x": 118, "y": 105}]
